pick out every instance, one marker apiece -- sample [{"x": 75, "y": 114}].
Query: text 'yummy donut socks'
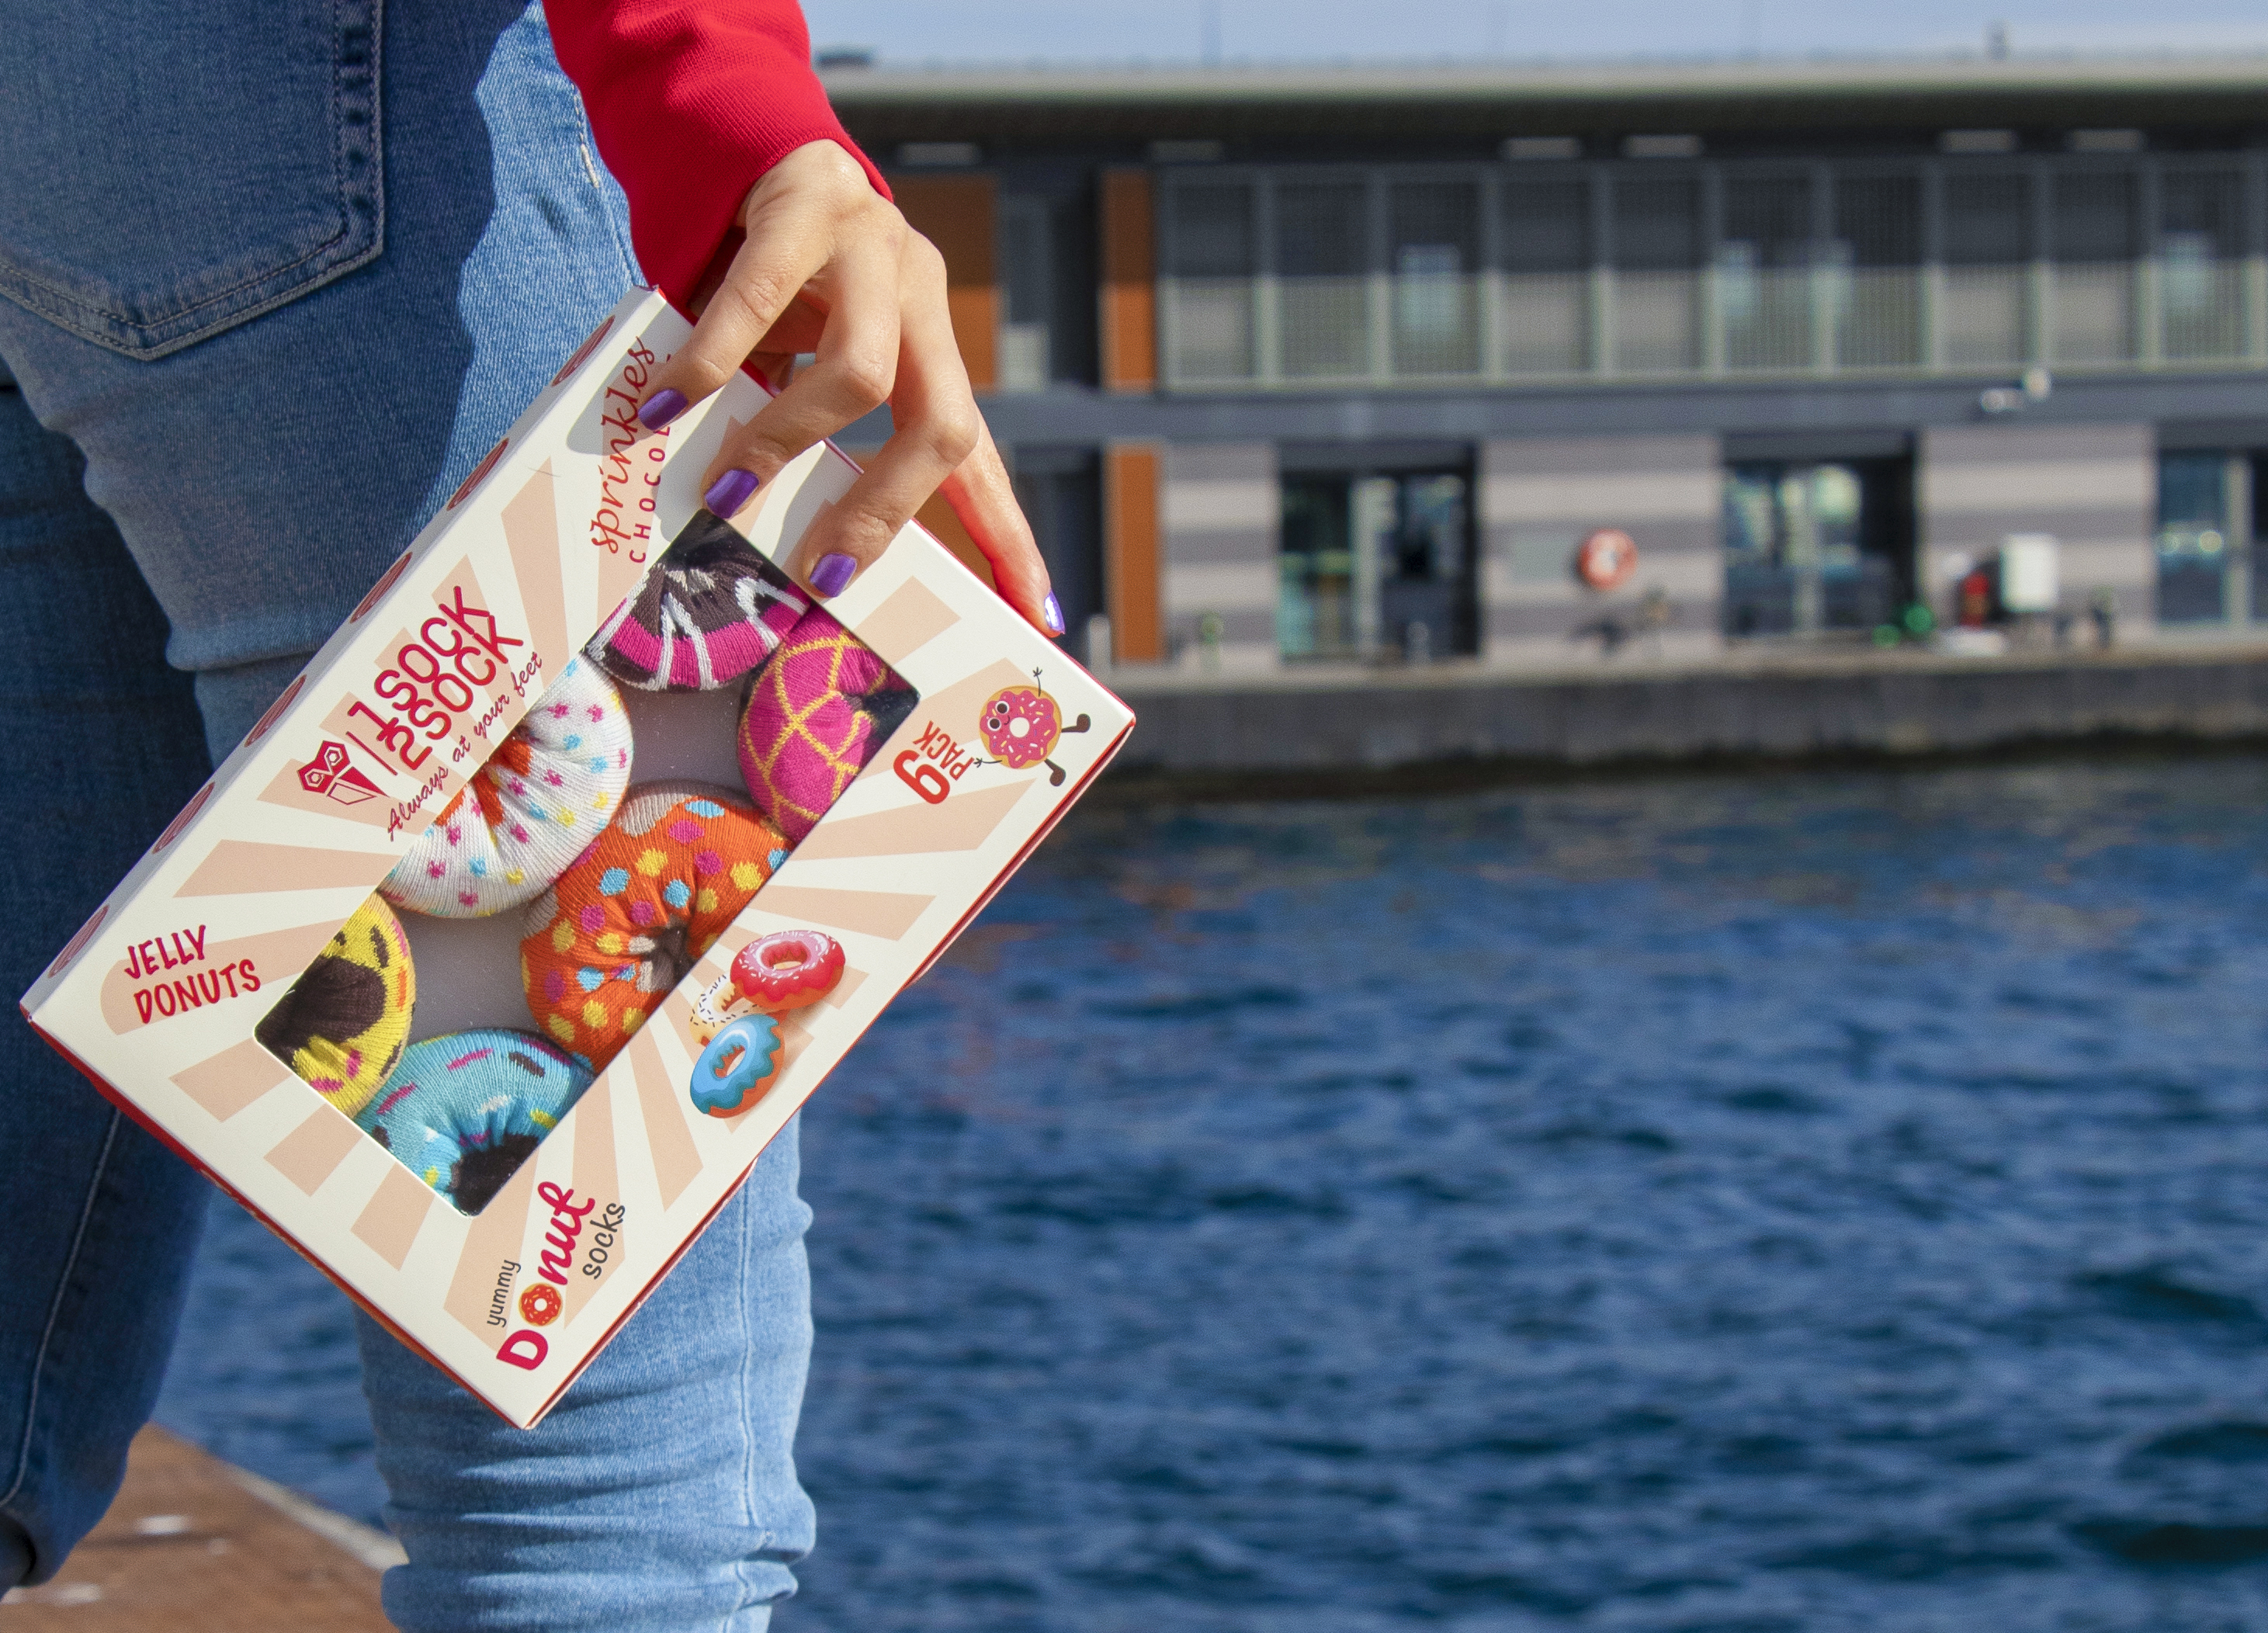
[
  {"x": 711, "y": 610},
  {"x": 814, "y": 718},
  {"x": 341, "y": 1026},
  {"x": 622, "y": 925},
  {"x": 529, "y": 812},
  {"x": 464, "y": 1111}
]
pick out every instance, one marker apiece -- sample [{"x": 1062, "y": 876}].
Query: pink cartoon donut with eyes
[{"x": 1021, "y": 725}]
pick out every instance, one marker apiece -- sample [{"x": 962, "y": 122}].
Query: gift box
[{"x": 485, "y": 968}]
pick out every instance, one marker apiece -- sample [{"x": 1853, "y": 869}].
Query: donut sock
[
  {"x": 465, "y": 1110},
  {"x": 620, "y": 928},
  {"x": 343, "y": 1023},
  {"x": 710, "y": 609},
  {"x": 814, "y": 717},
  {"x": 524, "y": 816}
]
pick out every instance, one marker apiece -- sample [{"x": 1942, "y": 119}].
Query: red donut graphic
[{"x": 540, "y": 1304}]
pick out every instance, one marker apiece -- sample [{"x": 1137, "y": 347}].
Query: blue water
[{"x": 1821, "y": 1200}]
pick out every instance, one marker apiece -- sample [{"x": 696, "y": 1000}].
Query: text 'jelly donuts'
[
  {"x": 814, "y": 718},
  {"x": 710, "y": 610},
  {"x": 621, "y": 926},
  {"x": 465, "y": 1110},
  {"x": 345, "y": 1022},
  {"x": 738, "y": 1066},
  {"x": 529, "y": 812}
]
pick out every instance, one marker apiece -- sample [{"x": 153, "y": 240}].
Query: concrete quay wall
[{"x": 1306, "y": 728}]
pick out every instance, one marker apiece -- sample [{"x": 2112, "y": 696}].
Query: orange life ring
[{"x": 1606, "y": 558}]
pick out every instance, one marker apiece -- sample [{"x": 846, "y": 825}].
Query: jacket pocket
[{"x": 169, "y": 171}]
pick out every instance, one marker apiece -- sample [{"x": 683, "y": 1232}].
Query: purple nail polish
[
  {"x": 832, "y": 576},
  {"x": 663, "y": 407},
  {"x": 1053, "y": 610},
  {"x": 729, "y": 492}
]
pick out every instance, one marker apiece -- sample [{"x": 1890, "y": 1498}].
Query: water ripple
[{"x": 1816, "y": 1202}]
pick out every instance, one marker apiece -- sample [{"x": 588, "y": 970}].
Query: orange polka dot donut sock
[
  {"x": 814, "y": 718},
  {"x": 342, "y": 1025},
  {"x": 620, "y": 928},
  {"x": 529, "y": 812}
]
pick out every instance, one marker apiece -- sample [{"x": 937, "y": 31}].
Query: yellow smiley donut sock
[{"x": 342, "y": 1025}]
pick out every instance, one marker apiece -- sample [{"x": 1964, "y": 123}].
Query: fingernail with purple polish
[
  {"x": 1053, "y": 609},
  {"x": 663, "y": 407},
  {"x": 729, "y": 492},
  {"x": 832, "y": 576}
]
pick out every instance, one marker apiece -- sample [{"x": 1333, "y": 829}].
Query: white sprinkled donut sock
[{"x": 523, "y": 819}]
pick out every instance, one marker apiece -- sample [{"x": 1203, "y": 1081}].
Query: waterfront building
[{"x": 1316, "y": 366}]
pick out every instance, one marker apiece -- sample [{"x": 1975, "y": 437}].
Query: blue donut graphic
[{"x": 737, "y": 1066}]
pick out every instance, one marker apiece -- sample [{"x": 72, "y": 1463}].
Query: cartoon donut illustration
[
  {"x": 773, "y": 975},
  {"x": 540, "y": 1303},
  {"x": 1021, "y": 725}
]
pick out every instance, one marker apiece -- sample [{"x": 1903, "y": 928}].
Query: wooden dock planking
[{"x": 194, "y": 1545}]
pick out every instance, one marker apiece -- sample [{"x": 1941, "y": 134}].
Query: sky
[{"x": 911, "y": 32}]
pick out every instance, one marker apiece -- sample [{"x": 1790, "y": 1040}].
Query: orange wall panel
[
  {"x": 957, "y": 214},
  {"x": 941, "y": 520},
  {"x": 1129, "y": 282},
  {"x": 1130, "y": 551}
]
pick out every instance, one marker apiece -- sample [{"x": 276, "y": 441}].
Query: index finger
[{"x": 771, "y": 266}]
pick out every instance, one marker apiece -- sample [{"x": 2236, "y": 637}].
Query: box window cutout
[{"x": 653, "y": 788}]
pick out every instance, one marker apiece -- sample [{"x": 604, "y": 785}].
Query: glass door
[
  {"x": 2205, "y": 531},
  {"x": 1812, "y": 548},
  {"x": 1378, "y": 566}
]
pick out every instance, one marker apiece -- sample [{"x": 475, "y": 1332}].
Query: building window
[
  {"x": 1657, "y": 257},
  {"x": 1378, "y": 565},
  {"x": 1816, "y": 546},
  {"x": 1546, "y": 234},
  {"x": 1211, "y": 265},
  {"x": 2207, "y": 523},
  {"x": 1437, "y": 265},
  {"x": 1985, "y": 312},
  {"x": 1060, "y": 491},
  {"x": 1763, "y": 272},
  {"x": 1293, "y": 276},
  {"x": 2201, "y": 263},
  {"x": 1875, "y": 267},
  {"x": 1026, "y": 281},
  {"x": 2096, "y": 219},
  {"x": 1046, "y": 239},
  {"x": 1322, "y": 241}
]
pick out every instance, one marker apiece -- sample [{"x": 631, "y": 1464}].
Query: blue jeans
[{"x": 259, "y": 321}]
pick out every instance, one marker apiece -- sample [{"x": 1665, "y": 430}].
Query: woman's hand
[{"x": 831, "y": 268}]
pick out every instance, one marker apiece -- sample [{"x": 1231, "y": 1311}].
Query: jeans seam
[
  {"x": 58, "y": 292},
  {"x": 55, "y": 1310},
  {"x": 748, "y": 1399},
  {"x": 587, "y": 140}
]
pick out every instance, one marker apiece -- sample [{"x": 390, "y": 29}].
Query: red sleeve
[{"x": 691, "y": 101}]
